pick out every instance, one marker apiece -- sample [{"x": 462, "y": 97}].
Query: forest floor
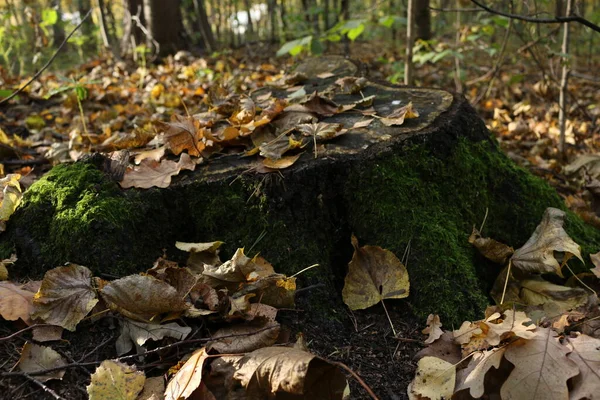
[{"x": 45, "y": 127}]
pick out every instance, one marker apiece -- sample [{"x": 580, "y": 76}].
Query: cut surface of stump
[{"x": 417, "y": 188}]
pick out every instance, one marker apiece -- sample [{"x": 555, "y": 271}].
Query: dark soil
[{"x": 361, "y": 340}]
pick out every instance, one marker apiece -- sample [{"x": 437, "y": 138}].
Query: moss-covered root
[{"x": 433, "y": 203}]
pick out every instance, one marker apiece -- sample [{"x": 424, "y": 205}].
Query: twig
[
  {"x": 556, "y": 20},
  {"x": 506, "y": 281},
  {"x": 409, "y": 340},
  {"x": 17, "y": 333},
  {"x": 388, "y": 317},
  {"x": 89, "y": 353},
  {"x": 355, "y": 376},
  {"x": 37, "y": 75},
  {"x": 40, "y": 384}
]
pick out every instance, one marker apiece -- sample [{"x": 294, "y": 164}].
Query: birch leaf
[
  {"x": 115, "y": 380},
  {"x": 434, "y": 379}
]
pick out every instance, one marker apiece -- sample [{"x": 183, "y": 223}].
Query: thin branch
[
  {"x": 37, "y": 75},
  {"x": 17, "y": 333},
  {"x": 355, "y": 376},
  {"x": 455, "y": 9},
  {"x": 556, "y": 20},
  {"x": 39, "y": 383}
]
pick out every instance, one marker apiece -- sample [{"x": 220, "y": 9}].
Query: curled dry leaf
[
  {"x": 542, "y": 368},
  {"x": 491, "y": 249},
  {"x": 282, "y": 163},
  {"x": 16, "y": 301},
  {"x": 320, "y": 105},
  {"x": 374, "y": 274},
  {"x": 183, "y": 133},
  {"x": 188, "y": 378},
  {"x": 142, "y": 297},
  {"x": 271, "y": 370},
  {"x": 36, "y": 358},
  {"x": 65, "y": 297},
  {"x": 138, "y": 333},
  {"x": 276, "y": 148},
  {"x": 244, "y": 338},
  {"x": 473, "y": 376},
  {"x": 586, "y": 354},
  {"x": 434, "y": 380},
  {"x": 537, "y": 254},
  {"x": 560, "y": 298},
  {"x": 434, "y": 328},
  {"x": 351, "y": 84},
  {"x": 11, "y": 195},
  {"x": 115, "y": 380},
  {"x": 398, "y": 116}
]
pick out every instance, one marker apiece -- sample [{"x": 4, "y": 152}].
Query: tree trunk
[
  {"x": 204, "y": 25},
  {"x": 345, "y": 12},
  {"x": 133, "y": 35},
  {"x": 272, "y": 9},
  {"x": 87, "y": 28},
  {"x": 423, "y": 20},
  {"x": 250, "y": 31},
  {"x": 163, "y": 19},
  {"x": 58, "y": 29},
  {"x": 410, "y": 40}
]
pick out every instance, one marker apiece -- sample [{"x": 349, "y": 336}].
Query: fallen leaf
[
  {"x": 434, "y": 379},
  {"x": 321, "y": 130},
  {"x": 3, "y": 266},
  {"x": 561, "y": 298},
  {"x": 188, "y": 378},
  {"x": 150, "y": 173},
  {"x": 138, "y": 333},
  {"x": 434, "y": 328},
  {"x": 320, "y": 105},
  {"x": 36, "y": 358},
  {"x": 279, "y": 146},
  {"x": 47, "y": 333},
  {"x": 115, "y": 380},
  {"x": 515, "y": 323},
  {"x": 362, "y": 124},
  {"x": 466, "y": 331},
  {"x": 537, "y": 254},
  {"x": 374, "y": 274},
  {"x": 398, "y": 116},
  {"x": 65, "y": 297},
  {"x": 142, "y": 297},
  {"x": 245, "y": 112},
  {"x": 11, "y": 195},
  {"x": 596, "y": 261},
  {"x": 491, "y": 249},
  {"x": 183, "y": 134},
  {"x": 282, "y": 163},
  {"x": 16, "y": 302},
  {"x": 244, "y": 338},
  {"x": 351, "y": 84},
  {"x": 270, "y": 371},
  {"x": 542, "y": 368},
  {"x": 154, "y": 389},
  {"x": 586, "y": 354},
  {"x": 473, "y": 377}
]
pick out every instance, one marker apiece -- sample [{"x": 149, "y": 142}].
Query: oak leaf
[
  {"x": 586, "y": 354},
  {"x": 183, "y": 134},
  {"x": 542, "y": 368},
  {"x": 434, "y": 328},
  {"x": 374, "y": 274},
  {"x": 515, "y": 323},
  {"x": 473, "y": 376}
]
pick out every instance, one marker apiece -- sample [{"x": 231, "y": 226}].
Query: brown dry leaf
[
  {"x": 183, "y": 133},
  {"x": 245, "y": 112},
  {"x": 434, "y": 328},
  {"x": 320, "y": 105},
  {"x": 38, "y": 358},
  {"x": 139, "y": 137},
  {"x": 542, "y": 368},
  {"x": 154, "y": 389},
  {"x": 259, "y": 310},
  {"x": 142, "y": 297},
  {"x": 473, "y": 376},
  {"x": 537, "y": 254},
  {"x": 16, "y": 301},
  {"x": 445, "y": 348},
  {"x": 321, "y": 130},
  {"x": 362, "y": 124},
  {"x": 374, "y": 274},
  {"x": 246, "y": 337},
  {"x": 491, "y": 249},
  {"x": 270, "y": 371},
  {"x": 434, "y": 380},
  {"x": 201, "y": 254},
  {"x": 351, "y": 84},
  {"x": 596, "y": 261},
  {"x": 154, "y": 155},
  {"x": 47, "y": 333},
  {"x": 115, "y": 380},
  {"x": 188, "y": 378},
  {"x": 221, "y": 100},
  {"x": 138, "y": 333},
  {"x": 556, "y": 297},
  {"x": 278, "y": 146},
  {"x": 182, "y": 279},
  {"x": 586, "y": 354},
  {"x": 268, "y": 114},
  {"x": 282, "y": 163},
  {"x": 398, "y": 116},
  {"x": 150, "y": 173},
  {"x": 65, "y": 297},
  {"x": 515, "y": 323},
  {"x": 466, "y": 331}
]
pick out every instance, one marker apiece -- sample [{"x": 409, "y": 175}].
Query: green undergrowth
[{"x": 433, "y": 203}]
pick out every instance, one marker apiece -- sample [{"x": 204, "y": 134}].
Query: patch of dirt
[{"x": 361, "y": 340}]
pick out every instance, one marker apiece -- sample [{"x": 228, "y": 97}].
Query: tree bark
[
  {"x": 410, "y": 40},
  {"x": 204, "y": 25},
  {"x": 423, "y": 20},
  {"x": 87, "y": 28},
  {"x": 163, "y": 19}
]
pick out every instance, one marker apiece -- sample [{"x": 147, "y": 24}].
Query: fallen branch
[
  {"x": 39, "y": 383},
  {"x": 37, "y": 75},
  {"x": 355, "y": 376}
]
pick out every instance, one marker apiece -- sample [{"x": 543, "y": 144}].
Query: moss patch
[{"x": 433, "y": 203}]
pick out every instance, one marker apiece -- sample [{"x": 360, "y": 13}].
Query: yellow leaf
[
  {"x": 374, "y": 274},
  {"x": 434, "y": 379},
  {"x": 188, "y": 378},
  {"x": 115, "y": 380}
]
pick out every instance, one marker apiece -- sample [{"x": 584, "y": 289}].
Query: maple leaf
[
  {"x": 65, "y": 297},
  {"x": 151, "y": 173},
  {"x": 434, "y": 328},
  {"x": 321, "y": 130},
  {"x": 537, "y": 254},
  {"x": 183, "y": 133},
  {"x": 542, "y": 368},
  {"x": 115, "y": 380},
  {"x": 473, "y": 376},
  {"x": 374, "y": 274},
  {"x": 586, "y": 354}
]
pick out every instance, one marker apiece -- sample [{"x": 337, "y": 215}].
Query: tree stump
[{"x": 418, "y": 189}]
